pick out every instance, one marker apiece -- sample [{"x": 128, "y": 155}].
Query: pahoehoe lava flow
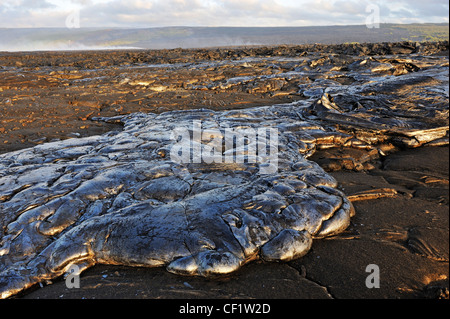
[{"x": 120, "y": 198}]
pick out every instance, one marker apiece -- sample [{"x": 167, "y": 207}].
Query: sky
[{"x": 243, "y": 13}]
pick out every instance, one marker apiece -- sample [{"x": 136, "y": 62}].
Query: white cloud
[{"x": 153, "y": 13}]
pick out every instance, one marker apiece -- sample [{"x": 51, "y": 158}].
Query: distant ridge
[{"x": 33, "y": 39}]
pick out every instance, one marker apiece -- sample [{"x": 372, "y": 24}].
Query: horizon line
[{"x": 224, "y": 26}]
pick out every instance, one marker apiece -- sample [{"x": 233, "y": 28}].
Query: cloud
[
  {"x": 25, "y": 5},
  {"x": 157, "y": 13}
]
